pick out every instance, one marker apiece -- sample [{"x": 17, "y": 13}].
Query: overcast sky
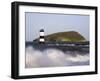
[{"x": 52, "y": 23}]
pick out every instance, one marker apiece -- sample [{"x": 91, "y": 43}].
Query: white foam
[{"x": 53, "y": 57}]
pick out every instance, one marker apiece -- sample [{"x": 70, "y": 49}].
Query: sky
[{"x": 52, "y": 23}]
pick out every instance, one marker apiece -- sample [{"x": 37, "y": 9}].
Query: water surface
[{"x": 48, "y": 55}]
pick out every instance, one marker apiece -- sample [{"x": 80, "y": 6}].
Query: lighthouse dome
[{"x": 42, "y": 30}]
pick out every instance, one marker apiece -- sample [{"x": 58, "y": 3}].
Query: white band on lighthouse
[
  {"x": 41, "y": 40},
  {"x": 41, "y": 33}
]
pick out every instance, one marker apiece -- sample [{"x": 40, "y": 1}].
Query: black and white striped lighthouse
[{"x": 41, "y": 39}]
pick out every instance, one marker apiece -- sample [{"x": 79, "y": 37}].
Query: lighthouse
[{"x": 41, "y": 39}]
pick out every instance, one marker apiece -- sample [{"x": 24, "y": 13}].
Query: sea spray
[{"x": 53, "y": 57}]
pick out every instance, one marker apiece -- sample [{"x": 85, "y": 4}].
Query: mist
[{"x": 54, "y": 58}]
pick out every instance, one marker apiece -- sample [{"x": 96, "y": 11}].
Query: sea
[{"x": 55, "y": 55}]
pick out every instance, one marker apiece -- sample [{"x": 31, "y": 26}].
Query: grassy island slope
[{"x": 71, "y": 36}]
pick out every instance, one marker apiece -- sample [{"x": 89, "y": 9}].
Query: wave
[{"x": 54, "y": 57}]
